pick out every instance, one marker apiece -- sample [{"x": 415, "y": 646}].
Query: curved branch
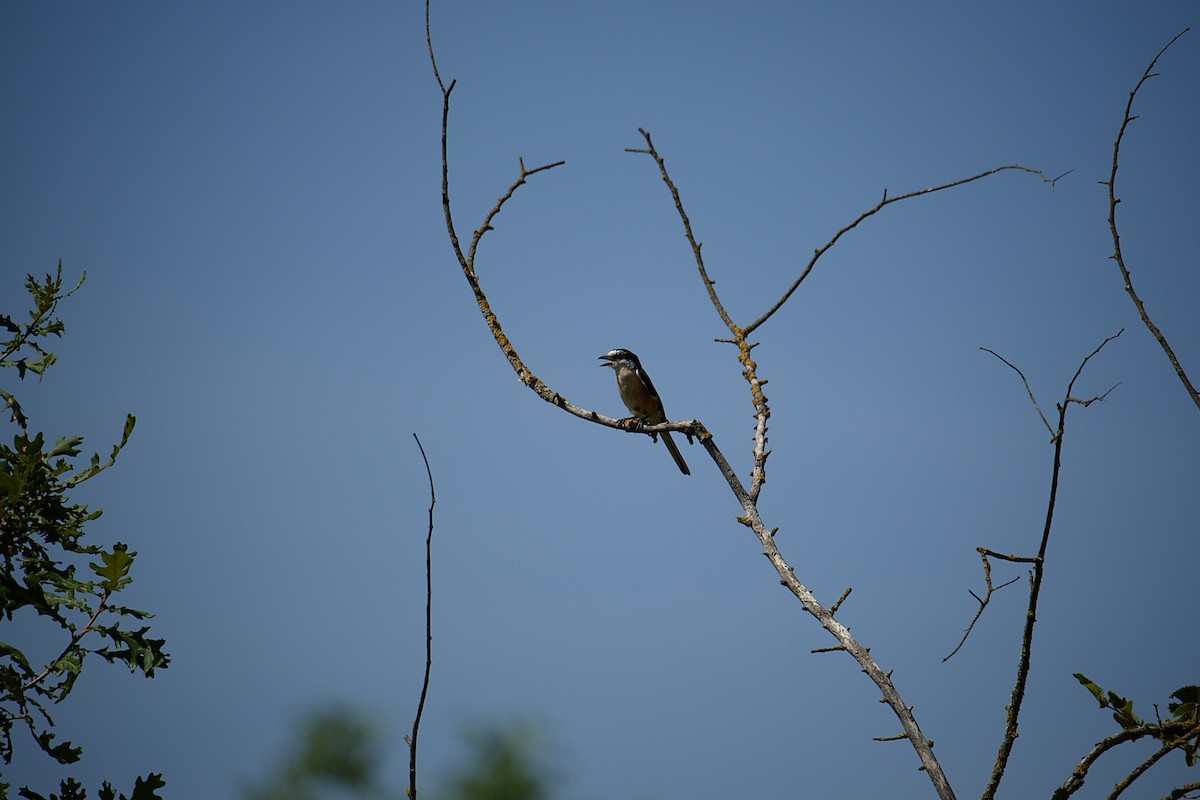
[
  {"x": 1182, "y": 731},
  {"x": 1028, "y": 391},
  {"x": 1117, "y": 255},
  {"x": 746, "y": 499},
  {"x": 886, "y": 201}
]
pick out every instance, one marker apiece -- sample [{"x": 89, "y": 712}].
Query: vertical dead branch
[
  {"x": 1118, "y": 255},
  {"x": 416, "y": 726},
  {"x": 1039, "y": 567}
]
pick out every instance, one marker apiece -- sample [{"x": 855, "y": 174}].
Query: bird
[{"x": 638, "y": 394}]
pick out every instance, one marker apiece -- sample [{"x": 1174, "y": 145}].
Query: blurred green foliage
[
  {"x": 335, "y": 752},
  {"x": 338, "y": 752},
  {"x": 504, "y": 764}
]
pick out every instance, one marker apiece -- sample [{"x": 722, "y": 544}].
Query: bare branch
[
  {"x": 746, "y": 499},
  {"x": 709, "y": 284},
  {"x": 833, "y": 609},
  {"x": 432, "y": 60},
  {"x": 467, "y": 260},
  {"x": 1089, "y": 357},
  {"x": 1096, "y": 399},
  {"x": 1118, "y": 255},
  {"x": 1028, "y": 391},
  {"x": 884, "y": 201},
  {"x": 1035, "y": 588},
  {"x": 416, "y": 726},
  {"x": 1009, "y": 557},
  {"x": 467, "y": 263},
  {"x": 1141, "y": 768},
  {"x": 1179, "y": 731},
  {"x": 762, "y": 409},
  {"x": 504, "y": 198},
  {"x": 1183, "y": 792},
  {"x": 987, "y": 598}
]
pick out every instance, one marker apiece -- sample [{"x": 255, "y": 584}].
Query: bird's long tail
[{"x": 670, "y": 443}]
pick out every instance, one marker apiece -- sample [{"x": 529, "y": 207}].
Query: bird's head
[{"x": 619, "y": 357}]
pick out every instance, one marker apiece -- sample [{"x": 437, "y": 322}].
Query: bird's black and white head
[{"x": 620, "y": 358}]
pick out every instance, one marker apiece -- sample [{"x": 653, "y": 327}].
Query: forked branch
[
  {"x": 747, "y": 499},
  {"x": 1039, "y": 567},
  {"x": 739, "y": 335},
  {"x": 1173, "y": 734},
  {"x": 984, "y": 553},
  {"x": 762, "y": 408}
]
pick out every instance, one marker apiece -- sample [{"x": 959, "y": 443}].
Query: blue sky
[{"x": 253, "y": 190}]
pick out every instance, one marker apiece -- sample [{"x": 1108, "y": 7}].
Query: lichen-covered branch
[{"x": 1173, "y": 733}]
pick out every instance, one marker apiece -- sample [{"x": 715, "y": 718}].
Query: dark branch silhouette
[
  {"x": 1035, "y": 583},
  {"x": 886, "y": 201},
  {"x": 1118, "y": 255},
  {"x": 991, "y": 589},
  {"x": 416, "y": 726}
]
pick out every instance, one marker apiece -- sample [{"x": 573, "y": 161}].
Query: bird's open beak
[{"x": 607, "y": 359}]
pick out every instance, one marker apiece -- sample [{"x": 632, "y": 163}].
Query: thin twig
[
  {"x": 709, "y": 284},
  {"x": 1028, "y": 391},
  {"x": 983, "y": 551},
  {"x": 504, "y": 198},
  {"x": 1118, "y": 255},
  {"x": 76, "y": 638},
  {"x": 1096, "y": 398},
  {"x": 987, "y": 598},
  {"x": 1035, "y": 588},
  {"x": 885, "y": 201},
  {"x": 416, "y": 726}
]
